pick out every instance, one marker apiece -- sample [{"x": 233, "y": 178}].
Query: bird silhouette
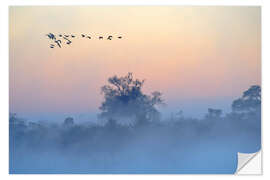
[
  {"x": 100, "y": 37},
  {"x": 109, "y": 38},
  {"x": 58, "y": 42},
  {"x": 68, "y": 41},
  {"x": 51, "y": 36}
]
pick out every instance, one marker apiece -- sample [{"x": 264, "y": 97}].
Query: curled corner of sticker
[{"x": 249, "y": 163}]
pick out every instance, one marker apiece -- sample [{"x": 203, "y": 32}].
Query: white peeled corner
[{"x": 249, "y": 163}]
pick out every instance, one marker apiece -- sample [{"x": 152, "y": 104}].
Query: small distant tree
[
  {"x": 180, "y": 114},
  {"x": 124, "y": 101},
  {"x": 12, "y": 118},
  {"x": 69, "y": 121},
  {"x": 250, "y": 100},
  {"x": 214, "y": 113},
  {"x": 15, "y": 120}
]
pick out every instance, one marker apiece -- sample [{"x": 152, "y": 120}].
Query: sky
[{"x": 198, "y": 57}]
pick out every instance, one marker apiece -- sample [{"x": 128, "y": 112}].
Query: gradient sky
[{"x": 198, "y": 57}]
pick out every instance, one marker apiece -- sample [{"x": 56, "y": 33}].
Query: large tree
[
  {"x": 250, "y": 100},
  {"x": 125, "y": 102}
]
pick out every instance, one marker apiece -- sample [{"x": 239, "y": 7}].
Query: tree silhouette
[
  {"x": 126, "y": 103},
  {"x": 69, "y": 121},
  {"x": 250, "y": 100},
  {"x": 214, "y": 113}
]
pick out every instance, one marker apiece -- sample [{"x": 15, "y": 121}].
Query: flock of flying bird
[{"x": 58, "y": 42}]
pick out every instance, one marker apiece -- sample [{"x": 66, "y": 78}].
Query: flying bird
[
  {"x": 58, "y": 42},
  {"x": 68, "y": 41},
  {"x": 51, "y": 36},
  {"x": 109, "y": 38}
]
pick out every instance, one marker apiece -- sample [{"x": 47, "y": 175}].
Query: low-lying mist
[{"x": 171, "y": 146}]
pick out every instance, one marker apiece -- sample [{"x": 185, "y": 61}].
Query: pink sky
[{"x": 187, "y": 53}]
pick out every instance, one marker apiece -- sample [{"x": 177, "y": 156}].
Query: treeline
[
  {"x": 79, "y": 148},
  {"x": 42, "y": 135}
]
